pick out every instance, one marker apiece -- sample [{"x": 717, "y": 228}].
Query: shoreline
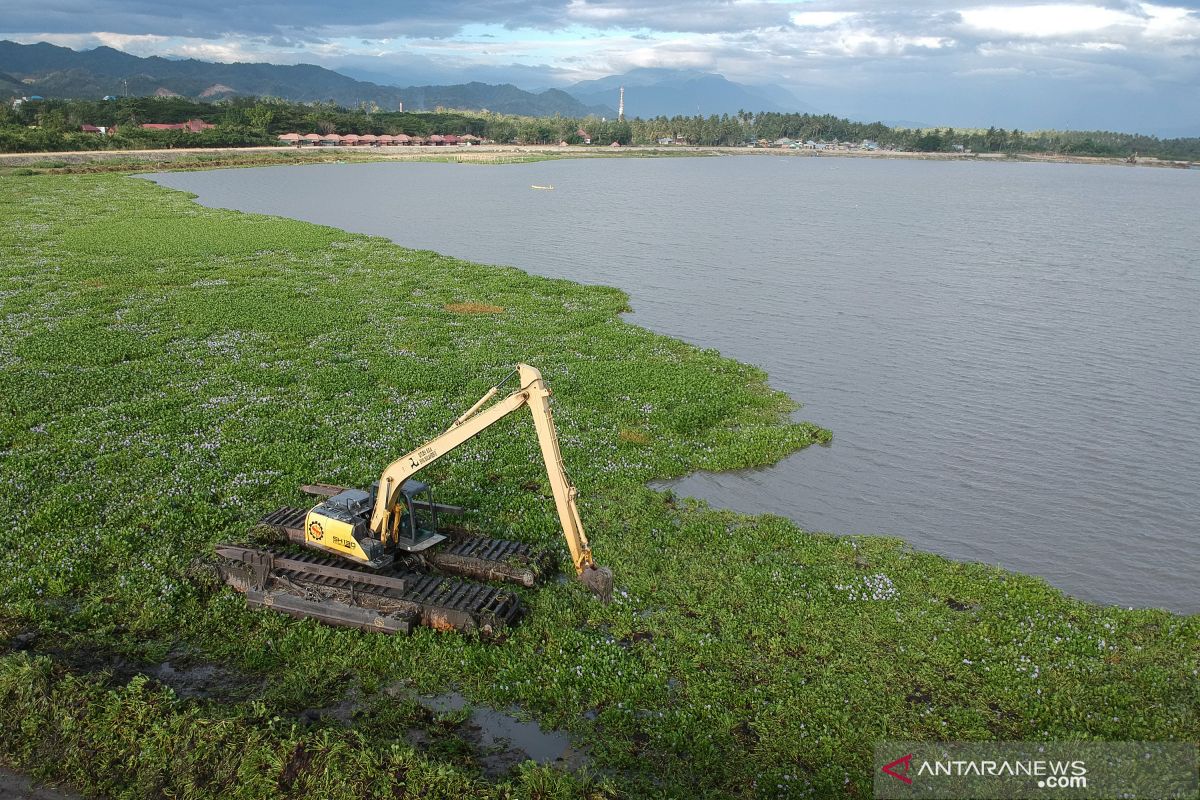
[
  {"x": 238, "y": 156},
  {"x": 670, "y": 484}
]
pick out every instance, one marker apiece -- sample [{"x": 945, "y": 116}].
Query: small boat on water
[{"x": 535, "y": 186}]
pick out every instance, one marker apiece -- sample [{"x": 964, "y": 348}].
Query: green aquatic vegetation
[{"x": 168, "y": 373}]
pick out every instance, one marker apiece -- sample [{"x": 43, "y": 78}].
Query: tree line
[{"x": 245, "y": 121}]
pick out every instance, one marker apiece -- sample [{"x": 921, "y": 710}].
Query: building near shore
[{"x": 381, "y": 140}]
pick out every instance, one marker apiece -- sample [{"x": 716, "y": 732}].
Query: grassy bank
[{"x": 168, "y": 373}]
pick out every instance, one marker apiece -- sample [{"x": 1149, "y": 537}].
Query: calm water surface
[{"x": 1008, "y": 354}]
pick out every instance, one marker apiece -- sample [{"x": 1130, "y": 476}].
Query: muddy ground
[{"x": 14, "y": 786}]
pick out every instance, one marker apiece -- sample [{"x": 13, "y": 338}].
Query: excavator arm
[{"x": 534, "y": 394}]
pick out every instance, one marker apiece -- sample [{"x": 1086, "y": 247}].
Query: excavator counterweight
[{"x": 389, "y": 560}]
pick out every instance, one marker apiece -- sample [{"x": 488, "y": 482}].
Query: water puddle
[
  {"x": 188, "y": 676},
  {"x": 203, "y": 681},
  {"x": 499, "y": 740},
  {"x": 343, "y": 713},
  {"x": 505, "y": 741},
  {"x": 14, "y": 786}
]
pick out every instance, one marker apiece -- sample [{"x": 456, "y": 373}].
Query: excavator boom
[{"x": 535, "y": 395}]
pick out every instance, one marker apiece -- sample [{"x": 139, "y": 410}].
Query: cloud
[
  {"x": 689, "y": 16},
  {"x": 934, "y": 57},
  {"x": 1045, "y": 21},
  {"x": 301, "y": 19}
]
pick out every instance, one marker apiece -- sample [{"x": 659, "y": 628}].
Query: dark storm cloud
[
  {"x": 311, "y": 18},
  {"x": 303, "y": 19},
  {"x": 308, "y": 18},
  {"x": 690, "y": 16}
]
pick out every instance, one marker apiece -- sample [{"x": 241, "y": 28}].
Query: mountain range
[{"x": 53, "y": 72}]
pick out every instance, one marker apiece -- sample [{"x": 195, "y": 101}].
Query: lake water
[{"x": 1008, "y": 354}]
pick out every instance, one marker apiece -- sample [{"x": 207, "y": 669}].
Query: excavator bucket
[{"x": 599, "y": 581}]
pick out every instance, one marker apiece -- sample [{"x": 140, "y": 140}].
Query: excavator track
[
  {"x": 479, "y": 557},
  {"x": 490, "y": 559},
  {"x": 311, "y": 586}
]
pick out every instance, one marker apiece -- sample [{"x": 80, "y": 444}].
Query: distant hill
[
  {"x": 60, "y": 72},
  {"x": 651, "y": 92},
  {"x": 10, "y": 85},
  {"x": 504, "y": 99}
]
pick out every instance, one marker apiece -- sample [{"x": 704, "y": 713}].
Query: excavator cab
[
  {"x": 339, "y": 525},
  {"x": 417, "y": 528}
]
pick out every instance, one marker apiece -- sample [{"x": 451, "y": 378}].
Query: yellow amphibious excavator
[{"x": 387, "y": 561}]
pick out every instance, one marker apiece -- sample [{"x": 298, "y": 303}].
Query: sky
[{"x": 1082, "y": 64}]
